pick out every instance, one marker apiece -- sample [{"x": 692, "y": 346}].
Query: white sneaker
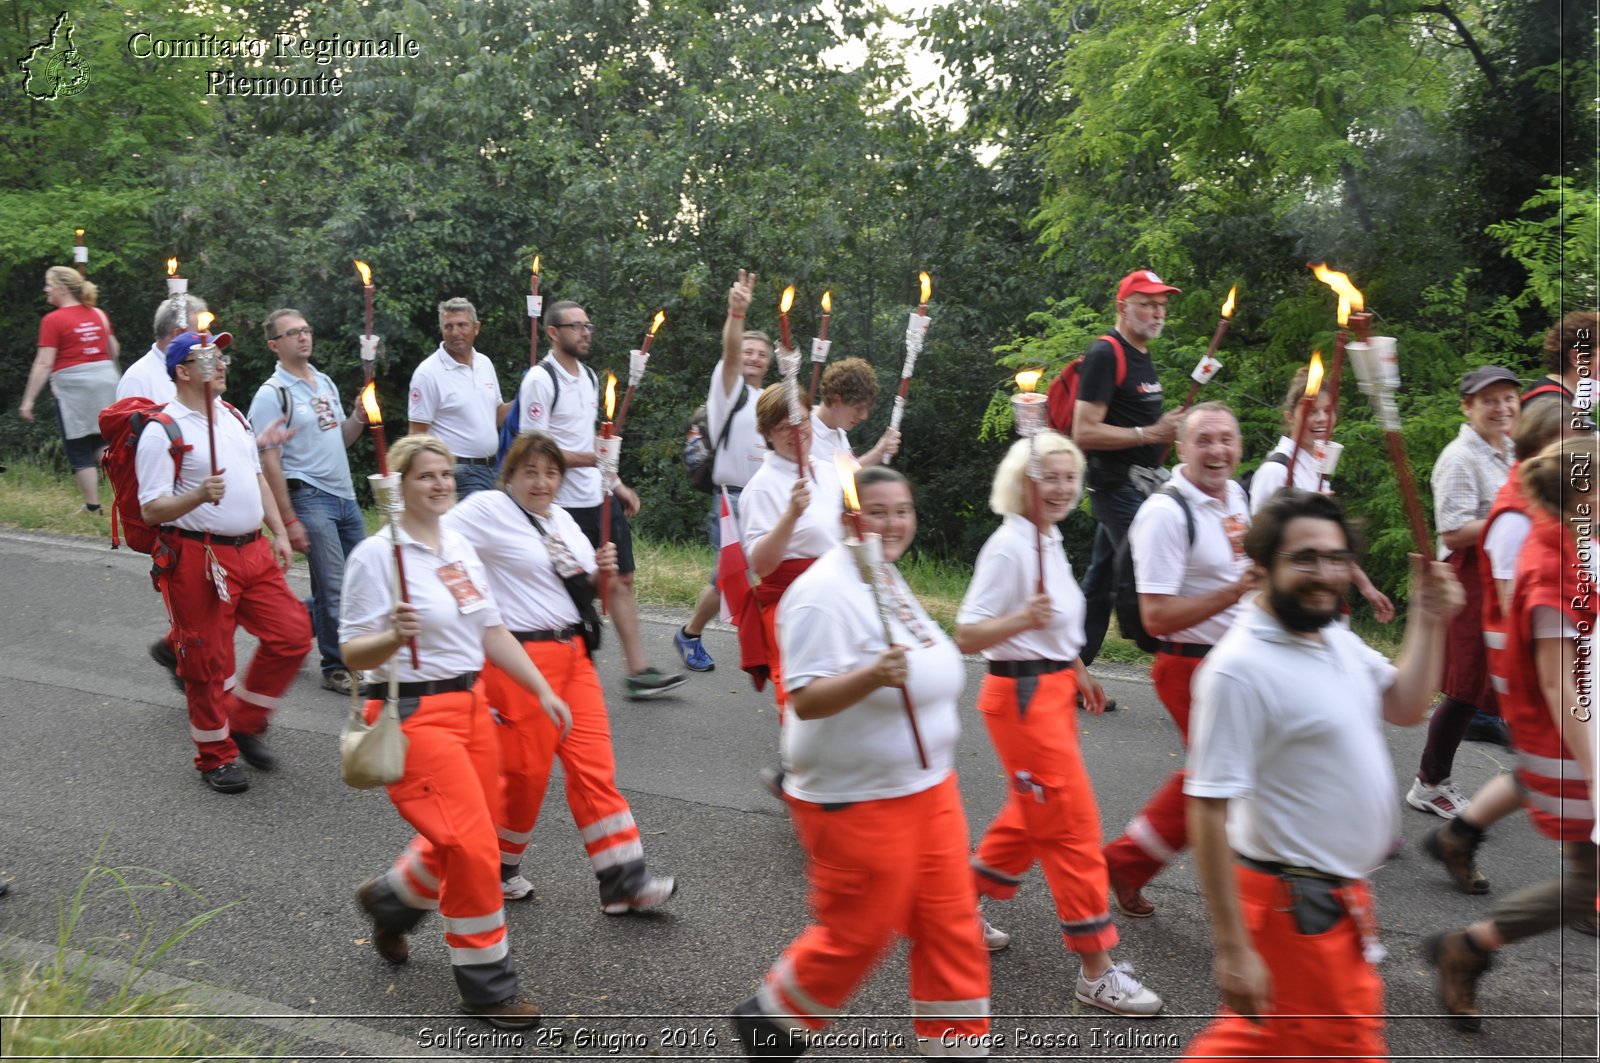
[
  {"x": 1119, "y": 992},
  {"x": 653, "y": 894},
  {"x": 1443, "y": 800},
  {"x": 516, "y": 888},
  {"x": 994, "y": 940}
]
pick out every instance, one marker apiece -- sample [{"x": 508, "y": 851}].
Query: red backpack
[
  {"x": 121, "y": 424},
  {"x": 1061, "y": 401}
]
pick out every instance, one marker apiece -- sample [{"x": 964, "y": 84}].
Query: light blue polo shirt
[{"x": 316, "y": 452}]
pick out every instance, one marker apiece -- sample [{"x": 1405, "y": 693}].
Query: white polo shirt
[
  {"x": 148, "y": 378},
  {"x": 240, "y": 511},
  {"x": 826, "y": 442},
  {"x": 1165, "y": 563},
  {"x": 1272, "y": 475},
  {"x": 828, "y": 625},
  {"x": 569, "y": 421},
  {"x": 1006, "y": 576},
  {"x": 766, "y": 498},
  {"x": 530, "y": 594},
  {"x": 453, "y": 621},
  {"x": 461, "y": 402},
  {"x": 1290, "y": 731},
  {"x": 736, "y": 462}
]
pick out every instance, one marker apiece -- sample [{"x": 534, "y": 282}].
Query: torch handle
[
  {"x": 1408, "y": 494},
  {"x": 1216, "y": 341},
  {"x": 816, "y": 376},
  {"x": 1188, "y": 400},
  {"x": 405, "y": 593},
  {"x": 211, "y": 431},
  {"x": 602, "y": 583},
  {"x": 1038, "y": 530},
  {"x": 622, "y": 414},
  {"x": 905, "y": 695}
]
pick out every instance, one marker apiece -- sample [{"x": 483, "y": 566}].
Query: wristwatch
[{"x": 1138, "y": 430}]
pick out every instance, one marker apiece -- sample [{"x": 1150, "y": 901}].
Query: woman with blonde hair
[
  {"x": 1029, "y": 705},
  {"x": 77, "y": 355}
]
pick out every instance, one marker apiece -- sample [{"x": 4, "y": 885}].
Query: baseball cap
[
  {"x": 1483, "y": 376},
  {"x": 180, "y": 348},
  {"x": 1144, "y": 282}
]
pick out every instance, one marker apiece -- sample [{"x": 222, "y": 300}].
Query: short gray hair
[
  {"x": 458, "y": 305},
  {"x": 174, "y": 315}
]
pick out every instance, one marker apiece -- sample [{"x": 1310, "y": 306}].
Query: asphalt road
[{"x": 95, "y": 772}]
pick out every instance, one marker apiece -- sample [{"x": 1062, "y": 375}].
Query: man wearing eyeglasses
[
  {"x": 561, "y": 396},
  {"x": 1190, "y": 571},
  {"x": 214, "y": 569},
  {"x": 309, "y": 474},
  {"x": 455, "y": 396}
]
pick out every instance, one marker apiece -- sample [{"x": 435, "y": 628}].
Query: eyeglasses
[
  {"x": 1312, "y": 560},
  {"x": 223, "y": 360},
  {"x": 294, "y": 333},
  {"x": 1146, "y": 304},
  {"x": 585, "y": 325}
]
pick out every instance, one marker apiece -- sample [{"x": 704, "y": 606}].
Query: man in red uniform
[{"x": 220, "y": 572}]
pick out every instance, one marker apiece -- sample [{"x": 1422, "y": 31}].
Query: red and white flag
[{"x": 733, "y": 571}]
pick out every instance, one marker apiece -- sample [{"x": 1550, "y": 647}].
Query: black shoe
[
  {"x": 228, "y": 779},
  {"x": 392, "y": 945},
  {"x": 162, "y": 653},
  {"x": 1111, "y": 704},
  {"x": 253, "y": 748},
  {"x": 1486, "y": 728},
  {"x": 512, "y": 1013},
  {"x": 761, "y": 1038}
]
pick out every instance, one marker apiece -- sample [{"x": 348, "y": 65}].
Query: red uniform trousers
[
  {"x": 450, "y": 793},
  {"x": 878, "y": 868},
  {"x": 1050, "y": 815},
  {"x": 203, "y": 626},
  {"x": 529, "y": 744},
  {"x": 1161, "y": 830},
  {"x": 1327, "y": 1000}
]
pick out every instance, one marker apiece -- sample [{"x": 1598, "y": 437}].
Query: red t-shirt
[{"x": 80, "y": 334}]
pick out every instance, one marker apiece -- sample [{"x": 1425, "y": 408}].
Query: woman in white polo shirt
[
  {"x": 532, "y": 548},
  {"x": 884, "y": 832},
  {"x": 1032, "y": 643},
  {"x": 451, "y": 788}
]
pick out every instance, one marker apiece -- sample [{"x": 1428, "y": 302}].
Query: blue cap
[{"x": 180, "y": 348}]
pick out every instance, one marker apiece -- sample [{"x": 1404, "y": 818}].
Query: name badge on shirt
[
  {"x": 1235, "y": 528},
  {"x": 325, "y": 415},
  {"x": 455, "y": 578}
]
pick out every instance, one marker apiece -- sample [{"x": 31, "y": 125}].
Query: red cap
[{"x": 1145, "y": 283}]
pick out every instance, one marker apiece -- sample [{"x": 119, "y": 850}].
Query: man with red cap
[
  {"x": 214, "y": 569},
  {"x": 1118, "y": 422}
]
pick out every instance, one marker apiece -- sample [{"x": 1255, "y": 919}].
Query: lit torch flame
[
  {"x": 611, "y": 394},
  {"x": 369, "y": 399},
  {"x": 847, "y": 467},
  {"x": 927, "y": 286},
  {"x": 1028, "y": 379},
  {"x": 80, "y": 235},
  {"x": 536, "y": 264},
  {"x": 1349, "y": 295},
  {"x": 366, "y": 272},
  {"x": 1314, "y": 375},
  {"x": 1227, "y": 307},
  {"x": 787, "y": 301},
  {"x": 172, "y": 267},
  {"x": 827, "y": 302},
  {"x": 655, "y": 326},
  {"x": 204, "y": 319}
]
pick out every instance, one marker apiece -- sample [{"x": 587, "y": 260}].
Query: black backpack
[
  {"x": 1277, "y": 457},
  {"x": 699, "y": 456},
  {"x": 1123, "y": 588}
]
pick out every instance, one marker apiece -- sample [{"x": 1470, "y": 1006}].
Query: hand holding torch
[
  {"x": 391, "y": 503},
  {"x": 1028, "y": 411},
  {"x": 608, "y": 450},
  {"x": 638, "y": 362}
]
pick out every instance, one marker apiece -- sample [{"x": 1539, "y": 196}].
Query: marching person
[
  {"x": 845, "y": 396},
  {"x": 309, "y": 473},
  {"x": 1273, "y": 473},
  {"x": 1289, "y": 710},
  {"x": 1029, "y": 704},
  {"x": 78, "y": 356},
  {"x": 1191, "y": 571},
  {"x": 533, "y": 552},
  {"x": 736, "y": 448},
  {"x": 455, "y": 397},
  {"x": 220, "y": 572},
  {"x": 1549, "y": 631},
  {"x": 884, "y": 832},
  {"x": 561, "y": 396},
  {"x": 1466, "y": 477},
  {"x": 451, "y": 790}
]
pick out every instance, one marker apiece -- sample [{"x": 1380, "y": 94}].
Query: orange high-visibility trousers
[
  {"x": 1161, "y": 829},
  {"x": 1326, "y": 1000},
  {"x": 450, "y": 793},
  {"x": 1050, "y": 816},
  {"x": 529, "y": 744},
  {"x": 877, "y": 868}
]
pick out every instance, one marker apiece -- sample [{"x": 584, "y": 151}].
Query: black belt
[
  {"x": 1271, "y": 868},
  {"x": 379, "y": 691},
  {"x": 1184, "y": 649},
  {"x": 564, "y": 634},
  {"x": 475, "y": 461},
  {"x": 211, "y": 537},
  {"x": 1024, "y": 669},
  {"x": 294, "y": 483}
]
